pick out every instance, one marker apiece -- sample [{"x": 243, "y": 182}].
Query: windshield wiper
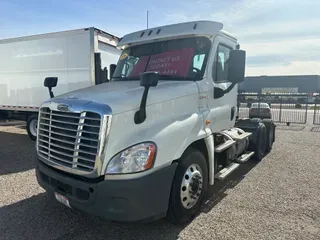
[
  {"x": 118, "y": 77},
  {"x": 125, "y": 78}
]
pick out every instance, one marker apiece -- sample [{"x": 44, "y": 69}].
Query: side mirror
[
  {"x": 112, "y": 68},
  {"x": 50, "y": 82},
  {"x": 149, "y": 79},
  {"x": 236, "y": 66}
]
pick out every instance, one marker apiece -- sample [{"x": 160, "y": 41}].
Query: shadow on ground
[
  {"x": 22, "y": 127},
  {"x": 10, "y": 123},
  {"x": 217, "y": 192},
  {"x": 17, "y": 152},
  {"x": 291, "y": 127},
  {"x": 41, "y": 217},
  {"x": 315, "y": 129}
]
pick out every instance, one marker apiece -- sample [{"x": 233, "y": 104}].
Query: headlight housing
[{"x": 134, "y": 159}]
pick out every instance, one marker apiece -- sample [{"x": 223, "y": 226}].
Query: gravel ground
[{"x": 279, "y": 198}]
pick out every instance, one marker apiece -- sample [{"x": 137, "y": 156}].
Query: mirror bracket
[
  {"x": 112, "y": 68},
  {"x": 141, "y": 115},
  {"x": 147, "y": 80},
  {"x": 50, "y": 92},
  {"x": 50, "y": 82},
  {"x": 229, "y": 88},
  {"x": 218, "y": 92}
]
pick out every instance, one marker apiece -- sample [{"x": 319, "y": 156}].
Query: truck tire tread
[
  {"x": 270, "y": 132},
  {"x": 261, "y": 144}
]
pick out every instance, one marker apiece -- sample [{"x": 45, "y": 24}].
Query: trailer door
[{"x": 26, "y": 61}]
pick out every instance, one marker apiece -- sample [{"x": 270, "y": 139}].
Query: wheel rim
[
  {"x": 191, "y": 186},
  {"x": 33, "y": 127}
]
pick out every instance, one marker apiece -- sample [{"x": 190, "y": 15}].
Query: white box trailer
[{"x": 78, "y": 58}]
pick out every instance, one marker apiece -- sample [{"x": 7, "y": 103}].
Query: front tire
[
  {"x": 32, "y": 123},
  {"x": 189, "y": 187}
]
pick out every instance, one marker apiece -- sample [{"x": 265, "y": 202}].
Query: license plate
[{"x": 64, "y": 200}]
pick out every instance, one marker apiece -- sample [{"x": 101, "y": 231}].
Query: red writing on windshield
[{"x": 168, "y": 63}]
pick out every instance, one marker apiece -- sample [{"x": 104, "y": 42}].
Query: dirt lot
[{"x": 279, "y": 198}]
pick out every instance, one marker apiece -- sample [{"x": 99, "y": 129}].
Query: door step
[
  {"x": 242, "y": 136},
  {"x": 220, "y": 148},
  {"x": 223, "y": 173},
  {"x": 244, "y": 157}
]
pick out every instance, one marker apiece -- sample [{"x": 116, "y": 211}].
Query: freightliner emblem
[{"x": 63, "y": 107}]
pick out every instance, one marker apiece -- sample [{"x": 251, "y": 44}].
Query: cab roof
[{"x": 204, "y": 28}]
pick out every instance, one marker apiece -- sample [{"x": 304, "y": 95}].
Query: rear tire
[
  {"x": 270, "y": 133},
  {"x": 261, "y": 144},
  {"x": 188, "y": 188},
  {"x": 258, "y": 139},
  {"x": 32, "y": 123}
]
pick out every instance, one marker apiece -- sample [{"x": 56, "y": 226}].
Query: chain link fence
[{"x": 281, "y": 108}]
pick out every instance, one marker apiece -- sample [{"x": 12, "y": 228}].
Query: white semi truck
[
  {"x": 148, "y": 143},
  {"x": 79, "y": 58}
]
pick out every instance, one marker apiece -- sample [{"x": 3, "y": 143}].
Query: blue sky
[{"x": 280, "y": 36}]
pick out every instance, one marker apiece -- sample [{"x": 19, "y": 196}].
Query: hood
[{"x": 123, "y": 96}]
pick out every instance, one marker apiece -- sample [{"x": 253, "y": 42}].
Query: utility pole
[{"x": 147, "y": 19}]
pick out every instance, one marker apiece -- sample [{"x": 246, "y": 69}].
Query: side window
[
  {"x": 220, "y": 65},
  {"x": 198, "y": 61}
]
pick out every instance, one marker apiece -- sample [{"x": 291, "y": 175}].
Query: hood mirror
[
  {"x": 50, "y": 82},
  {"x": 147, "y": 80}
]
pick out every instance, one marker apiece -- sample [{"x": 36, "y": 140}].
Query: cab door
[{"x": 222, "y": 107}]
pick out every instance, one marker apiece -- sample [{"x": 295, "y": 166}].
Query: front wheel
[
  {"x": 188, "y": 188},
  {"x": 32, "y": 123}
]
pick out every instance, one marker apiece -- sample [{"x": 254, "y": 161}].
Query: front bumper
[{"x": 137, "y": 199}]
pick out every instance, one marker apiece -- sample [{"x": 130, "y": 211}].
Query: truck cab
[{"x": 148, "y": 143}]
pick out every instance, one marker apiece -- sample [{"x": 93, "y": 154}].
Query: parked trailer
[{"x": 78, "y": 58}]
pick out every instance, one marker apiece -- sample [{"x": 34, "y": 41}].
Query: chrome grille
[{"x": 69, "y": 139}]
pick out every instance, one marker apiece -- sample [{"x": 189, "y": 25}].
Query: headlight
[{"x": 137, "y": 158}]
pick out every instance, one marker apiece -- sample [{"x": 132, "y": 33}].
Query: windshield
[{"x": 178, "y": 59}]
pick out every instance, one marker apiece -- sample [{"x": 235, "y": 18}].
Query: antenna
[{"x": 147, "y": 19}]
